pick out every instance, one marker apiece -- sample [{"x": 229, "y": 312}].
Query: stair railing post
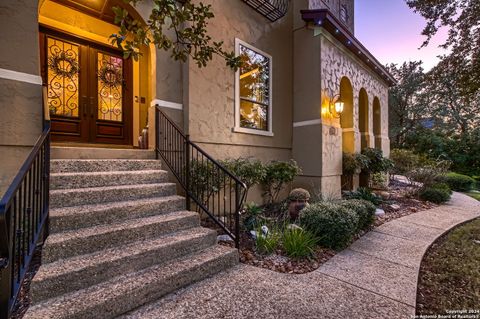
[
  {"x": 157, "y": 131},
  {"x": 187, "y": 171},
  {"x": 237, "y": 215}
]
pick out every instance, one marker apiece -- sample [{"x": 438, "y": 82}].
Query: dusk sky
[{"x": 391, "y": 31}]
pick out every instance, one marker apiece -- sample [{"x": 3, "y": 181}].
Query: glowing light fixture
[{"x": 336, "y": 106}]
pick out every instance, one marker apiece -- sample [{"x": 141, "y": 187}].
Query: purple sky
[{"x": 391, "y": 31}]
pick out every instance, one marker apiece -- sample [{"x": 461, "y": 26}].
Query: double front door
[{"x": 89, "y": 90}]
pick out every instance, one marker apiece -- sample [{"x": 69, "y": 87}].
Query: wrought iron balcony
[{"x": 270, "y": 9}]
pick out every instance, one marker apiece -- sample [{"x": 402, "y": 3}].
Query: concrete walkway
[{"x": 376, "y": 277}]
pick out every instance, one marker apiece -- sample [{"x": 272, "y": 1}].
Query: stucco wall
[{"x": 211, "y": 90}]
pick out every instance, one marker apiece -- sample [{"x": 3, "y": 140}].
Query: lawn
[
  {"x": 475, "y": 195},
  {"x": 450, "y": 272}
]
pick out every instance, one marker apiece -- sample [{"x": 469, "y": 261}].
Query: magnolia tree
[{"x": 176, "y": 26}]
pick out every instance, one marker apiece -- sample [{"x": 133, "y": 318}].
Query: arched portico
[
  {"x": 377, "y": 122},
  {"x": 363, "y": 119},
  {"x": 346, "y": 118}
]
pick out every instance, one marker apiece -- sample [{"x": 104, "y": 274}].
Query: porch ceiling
[{"x": 101, "y": 9}]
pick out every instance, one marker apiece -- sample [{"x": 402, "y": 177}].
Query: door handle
[
  {"x": 92, "y": 107},
  {"x": 85, "y": 106}
]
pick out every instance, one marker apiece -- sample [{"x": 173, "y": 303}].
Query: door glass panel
[
  {"x": 63, "y": 69},
  {"x": 110, "y": 84}
]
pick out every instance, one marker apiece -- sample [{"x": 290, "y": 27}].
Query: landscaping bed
[{"x": 449, "y": 274}]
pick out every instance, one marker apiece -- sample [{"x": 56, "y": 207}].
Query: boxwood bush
[
  {"x": 435, "y": 195},
  {"x": 364, "y": 209},
  {"x": 333, "y": 224},
  {"x": 458, "y": 182}
]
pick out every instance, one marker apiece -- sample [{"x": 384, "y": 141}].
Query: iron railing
[
  {"x": 23, "y": 220},
  {"x": 270, "y": 9},
  {"x": 208, "y": 185}
]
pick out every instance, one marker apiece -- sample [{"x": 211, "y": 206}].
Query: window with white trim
[{"x": 253, "y": 83}]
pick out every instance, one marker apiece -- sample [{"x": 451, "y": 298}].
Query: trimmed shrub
[
  {"x": 434, "y": 195},
  {"x": 365, "y": 194},
  {"x": 298, "y": 242},
  {"x": 299, "y": 194},
  {"x": 458, "y": 182},
  {"x": 442, "y": 186},
  {"x": 332, "y": 224},
  {"x": 250, "y": 171},
  {"x": 365, "y": 211}
]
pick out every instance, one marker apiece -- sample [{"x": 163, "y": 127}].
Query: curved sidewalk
[{"x": 376, "y": 277}]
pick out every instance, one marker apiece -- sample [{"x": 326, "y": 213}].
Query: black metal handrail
[
  {"x": 208, "y": 184},
  {"x": 23, "y": 219}
]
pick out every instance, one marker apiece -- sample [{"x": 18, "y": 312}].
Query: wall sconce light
[{"x": 336, "y": 106}]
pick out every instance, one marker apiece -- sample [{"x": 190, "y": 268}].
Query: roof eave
[{"x": 324, "y": 18}]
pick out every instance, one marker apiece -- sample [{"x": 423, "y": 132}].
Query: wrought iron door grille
[{"x": 270, "y": 9}]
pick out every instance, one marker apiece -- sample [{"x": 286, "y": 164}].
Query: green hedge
[
  {"x": 364, "y": 209},
  {"x": 435, "y": 195},
  {"x": 458, "y": 182}
]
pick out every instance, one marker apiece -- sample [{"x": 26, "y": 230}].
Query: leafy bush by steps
[
  {"x": 365, "y": 211},
  {"x": 332, "y": 224}
]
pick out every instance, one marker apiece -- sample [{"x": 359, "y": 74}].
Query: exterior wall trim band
[
  {"x": 20, "y": 76},
  {"x": 307, "y": 123},
  {"x": 167, "y": 104}
]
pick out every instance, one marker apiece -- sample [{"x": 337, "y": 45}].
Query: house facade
[{"x": 308, "y": 90}]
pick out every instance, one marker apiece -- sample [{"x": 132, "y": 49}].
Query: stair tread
[
  {"x": 107, "y": 188},
  {"x": 108, "y": 173},
  {"x": 78, "y": 263},
  {"x": 81, "y": 209},
  {"x": 123, "y": 225},
  {"x": 108, "y": 294},
  {"x": 103, "y": 160}
]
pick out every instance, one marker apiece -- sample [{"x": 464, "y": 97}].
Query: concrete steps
[
  {"x": 88, "y": 240},
  {"x": 79, "y": 272},
  {"x": 102, "y": 165},
  {"x": 124, "y": 293},
  {"x": 119, "y": 238},
  {"x": 70, "y": 218},
  {"x": 99, "y": 195},
  {"x": 97, "y": 179}
]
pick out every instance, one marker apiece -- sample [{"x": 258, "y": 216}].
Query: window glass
[{"x": 254, "y": 89}]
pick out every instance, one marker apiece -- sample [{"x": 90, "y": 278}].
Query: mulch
[{"x": 398, "y": 193}]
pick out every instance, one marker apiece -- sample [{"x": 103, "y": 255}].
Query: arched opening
[
  {"x": 346, "y": 118},
  {"x": 363, "y": 118},
  {"x": 94, "y": 94},
  {"x": 377, "y": 123}
]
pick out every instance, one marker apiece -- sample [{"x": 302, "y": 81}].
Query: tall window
[{"x": 253, "y": 91}]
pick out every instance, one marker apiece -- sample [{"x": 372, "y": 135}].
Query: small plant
[
  {"x": 376, "y": 162},
  {"x": 277, "y": 175},
  {"x": 253, "y": 216},
  {"x": 365, "y": 194},
  {"x": 249, "y": 171},
  {"x": 205, "y": 180},
  {"x": 353, "y": 163},
  {"x": 298, "y": 243},
  {"x": 429, "y": 174},
  {"x": 458, "y": 182},
  {"x": 434, "y": 195},
  {"x": 379, "y": 180},
  {"x": 365, "y": 211},
  {"x": 332, "y": 224},
  {"x": 299, "y": 194},
  {"x": 267, "y": 243}
]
